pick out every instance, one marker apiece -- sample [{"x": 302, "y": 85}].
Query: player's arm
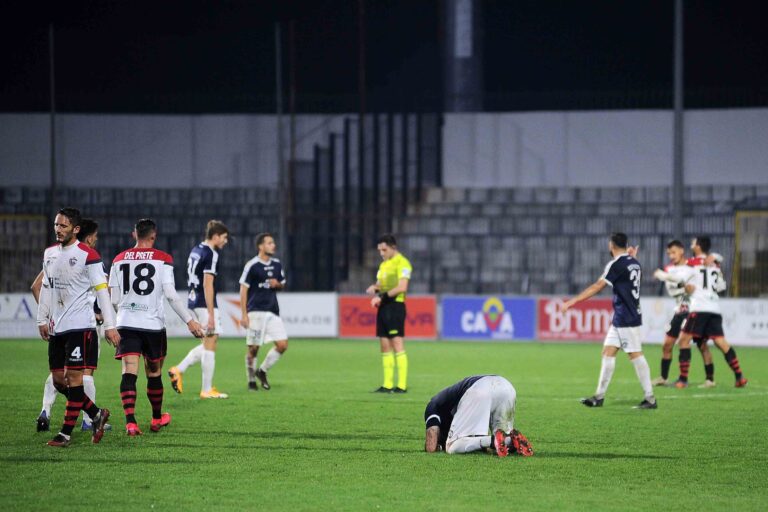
[
  {"x": 209, "y": 294},
  {"x": 177, "y": 304},
  {"x": 432, "y": 421},
  {"x": 37, "y": 284},
  {"x": 44, "y": 307},
  {"x": 244, "y": 320},
  {"x": 278, "y": 285},
  {"x": 101, "y": 290},
  {"x": 402, "y": 287},
  {"x": 588, "y": 292}
]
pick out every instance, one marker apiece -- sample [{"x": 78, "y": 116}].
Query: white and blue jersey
[
  {"x": 202, "y": 260},
  {"x": 256, "y": 276},
  {"x": 623, "y": 274}
]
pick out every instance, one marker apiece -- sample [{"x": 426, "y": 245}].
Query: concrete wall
[
  {"x": 152, "y": 151},
  {"x": 607, "y": 148}
]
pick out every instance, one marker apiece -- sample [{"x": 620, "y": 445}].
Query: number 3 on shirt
[{"x": 634, "y": 276}]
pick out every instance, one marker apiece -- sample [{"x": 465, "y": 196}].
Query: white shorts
[
  {"x": 264, "y": 327},
  {"x": 202, "y": 317},
  {"x": 488, "y": 404},
  {"x": 625, "y": 338}
]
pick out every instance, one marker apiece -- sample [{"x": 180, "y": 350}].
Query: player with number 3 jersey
[
  {"x": 140, "y": 279},
  {"x": 623, "y": 273},
  {"x": 201, "y": 272}
]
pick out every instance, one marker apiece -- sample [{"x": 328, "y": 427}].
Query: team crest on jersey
[{"x": 72, "y": 262}]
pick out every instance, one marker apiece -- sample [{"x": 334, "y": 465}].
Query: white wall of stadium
[
  {"x": 497, "y": 318},
  {"x": 480, "y": 150}
]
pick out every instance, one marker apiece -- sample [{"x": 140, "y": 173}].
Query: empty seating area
[
  {"x": 552, "y": 240},
  {"x": 181, "y": 215}
]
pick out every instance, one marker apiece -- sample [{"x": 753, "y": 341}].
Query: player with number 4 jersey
[
  {"x": 140, "y": 279},
  {"x": 623, "y": 273}
]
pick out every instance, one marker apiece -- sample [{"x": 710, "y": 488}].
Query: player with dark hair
[
  {"x": 623, "y": 274},
  {"x": 389, "y": 292},
  {"x": 65, "y": 319},
  {"x": 459, "y": 417},
  {"x": 201, "y": 272},
  {"x": 89, "y": 235},
  {"x": 670, "y": 275},
  {"x": 704, "y": 282},
  {"x": 138, "y": 280},
  {"x": 262, "y": 278}
]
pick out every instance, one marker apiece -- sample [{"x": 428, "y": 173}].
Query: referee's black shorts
[{"x": 390, "y": 320}]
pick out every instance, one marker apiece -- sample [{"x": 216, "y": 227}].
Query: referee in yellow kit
[{"x": 390, "y": 289}]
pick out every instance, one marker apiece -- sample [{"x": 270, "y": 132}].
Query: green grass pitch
[{"x": 320, "y": 440}]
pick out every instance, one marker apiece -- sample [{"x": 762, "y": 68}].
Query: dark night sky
[{"x": 193, "y": 56}]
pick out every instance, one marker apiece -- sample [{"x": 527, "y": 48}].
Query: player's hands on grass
[
  {"x": 376, "y": 302},
  {"x": 44, "y": 333},
  {"x": 113, "y": 337},
  {"x": 195, "y": 328}
]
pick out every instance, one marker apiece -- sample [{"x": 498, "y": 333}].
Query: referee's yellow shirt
[{"x": 391, "y": 272}]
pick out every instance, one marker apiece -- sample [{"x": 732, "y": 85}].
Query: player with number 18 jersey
[{"x": 140, "y": 278}]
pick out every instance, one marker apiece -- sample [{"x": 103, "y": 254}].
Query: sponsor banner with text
[
  {"x": 357, "y": 319},
  {"x": 588, "y": 320},
  {"x": 498, "y": 318}
]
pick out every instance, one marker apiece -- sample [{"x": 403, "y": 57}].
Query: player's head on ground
[
  {"x": 265, "y": 244},
  {"x": 676, "y": 251},
  {"x": 145, "y": 231},
  {"x": 89, "y": 232},
  {"x": 701, "y": 245},
  {"x": 66, "y": 225},
  {"x": 617, "y": 242},
  {"x": 216, "y": 233},
  {"x": 387, "y": 246}
]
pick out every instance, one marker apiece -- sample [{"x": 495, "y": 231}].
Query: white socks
[
  {"x": 644, "y": 376},
  {"x": 208, "y": 362},
  {"x": 194, "y": 357},
  {"x": 49, "y": 395},
  {"x": 251, "y": 363},
  {"x": 606, "y": 373},
  {"x": 469, "y": 444},
  {"x": 90, "y": 391},
  {"x": 270, "y": 360}
]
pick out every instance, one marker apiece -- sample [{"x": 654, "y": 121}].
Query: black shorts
[
  {"x": 390, "y": 320},
  {"x": 75, "y": 350},
  {"x": 153, "y": 345},
  {"x": 704, "y": 325},
  {"x": 673, "y": 329}
]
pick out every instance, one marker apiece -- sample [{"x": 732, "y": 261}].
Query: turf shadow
[
  {"x": 608, "y": 456},
  {"x": 309, "y": 435},
  {"x": 96, "y": 461}
]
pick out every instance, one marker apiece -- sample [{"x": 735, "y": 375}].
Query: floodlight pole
[
  {"x": 281, "y": 168},
  {"x": 52, "y": 118},
  {"x": 678, "y": 182}
]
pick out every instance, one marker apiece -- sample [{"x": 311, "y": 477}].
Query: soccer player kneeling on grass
[
  {"x": 66, "y": 320},
  {"x": 262, "y": 277},
  {"x": 139, "y": 279},
  {"x": 459, "y": 417}
]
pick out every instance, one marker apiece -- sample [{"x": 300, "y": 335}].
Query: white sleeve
[
  {"x": 244, "y": 276},
  {"x": 44, "y": 306},
  {"x": 102, "y": 295},
  {"x": 282, "y": 274},
  {"x": 720, "y": 285},
  {"x": 114, "y": 287},
  {"x": 177, "y": 304}
]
